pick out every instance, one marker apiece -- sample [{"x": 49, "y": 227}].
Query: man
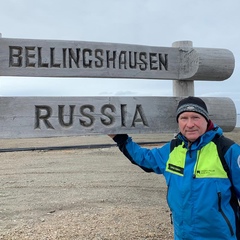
[{"x": 199, "y": 189}]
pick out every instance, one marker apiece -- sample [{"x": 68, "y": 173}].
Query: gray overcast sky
[{"x": 210, "y": 24}]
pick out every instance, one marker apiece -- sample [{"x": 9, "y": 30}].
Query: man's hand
[{"x": 111, "y": 135}]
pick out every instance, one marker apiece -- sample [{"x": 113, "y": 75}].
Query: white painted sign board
[{"x": 27, "y": 117}]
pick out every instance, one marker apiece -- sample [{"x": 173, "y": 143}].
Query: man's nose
[{"x": 190, "y": 122}]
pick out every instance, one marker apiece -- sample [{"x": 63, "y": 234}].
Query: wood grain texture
[
  {"x": 27, "y": 117},
  {"x": 55, "y": 58}
]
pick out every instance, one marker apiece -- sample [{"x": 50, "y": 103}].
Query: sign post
[
  {"x": 27, "y": 117},
  {"x": 54, "y": 58},
  {"x": 183, "y": 87}
]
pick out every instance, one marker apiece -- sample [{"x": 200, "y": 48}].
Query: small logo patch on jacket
[
  {"x": 238, "y": 161},
  {"x": 206, "y": 172},
  {"x": 175, "y": 168}
]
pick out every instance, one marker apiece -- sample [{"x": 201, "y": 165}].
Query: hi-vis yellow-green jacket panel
[{"x": 208, "y": 163}]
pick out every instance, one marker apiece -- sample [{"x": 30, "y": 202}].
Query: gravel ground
[
  {"x": 87, "y": 194},
  {"x": 79, "y": 194}
]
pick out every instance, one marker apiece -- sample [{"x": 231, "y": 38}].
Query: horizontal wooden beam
[
  {"x": 55, "y": 58},
  {"x": 28, "y": 117}
]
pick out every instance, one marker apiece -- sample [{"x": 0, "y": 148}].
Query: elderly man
[{"x": 202, "y": 194}]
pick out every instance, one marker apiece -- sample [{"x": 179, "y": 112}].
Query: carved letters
[
  {"x": 62, "y": 58},
  {"x": 86, "y": 116}
]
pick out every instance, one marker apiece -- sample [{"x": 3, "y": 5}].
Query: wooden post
[
  {"x": 55, "y": 58},
  {"x": 183, "y": 87},
  {"x": 26, "y": 117}
]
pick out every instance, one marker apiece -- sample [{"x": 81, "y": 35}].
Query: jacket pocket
[{"x": 223, "y": 214}]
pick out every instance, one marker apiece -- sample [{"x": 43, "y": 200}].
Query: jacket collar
[{"x": 203, "y": 139}]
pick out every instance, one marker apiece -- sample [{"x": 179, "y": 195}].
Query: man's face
[{"x": 192, "y": 125}]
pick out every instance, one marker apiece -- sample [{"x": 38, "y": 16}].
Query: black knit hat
[{"x": 192, "y": 104}]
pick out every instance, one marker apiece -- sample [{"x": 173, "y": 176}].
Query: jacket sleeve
[
  {"x": 150, "y": 160},
  {"x": 232, "y": 157}
]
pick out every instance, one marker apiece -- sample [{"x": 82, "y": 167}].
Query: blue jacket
[{"x": 198, "y": 187}]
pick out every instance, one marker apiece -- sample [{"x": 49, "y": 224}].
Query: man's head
[{"x": 192, "y": 117}]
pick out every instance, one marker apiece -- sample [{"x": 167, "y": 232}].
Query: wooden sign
[
  {"x": 27, "y": 117},
  {"x": 54, "y": 58}
]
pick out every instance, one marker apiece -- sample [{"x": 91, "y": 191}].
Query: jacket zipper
[
  {"x": 196, "y": 165},
  {"x": 171, "y": 217},
  {"x": 189, "y": 149},
  {"x": 223, "y": 214}
]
